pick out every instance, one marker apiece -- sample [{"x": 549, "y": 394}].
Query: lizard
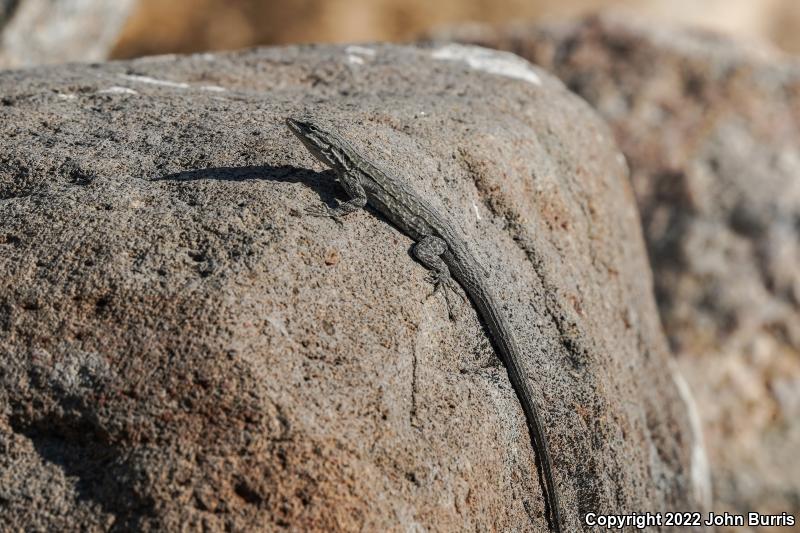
[{"x": 442, "y": 251}]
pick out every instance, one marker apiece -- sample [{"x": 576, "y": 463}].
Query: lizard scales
[{"x": 441, "y": 249}]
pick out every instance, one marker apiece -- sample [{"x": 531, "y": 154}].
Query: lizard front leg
[
  {"x": 428, "y": 251},
  {"x": 357, "y": 199}
]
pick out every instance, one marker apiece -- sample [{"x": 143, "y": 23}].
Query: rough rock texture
[
  {"x": 711, "y": 130},
  {"x": 182, "y": 346},
  {"x": 35, "y": 32}
]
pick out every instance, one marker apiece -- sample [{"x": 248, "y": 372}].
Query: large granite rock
[
  {"x": 181, "y": 347},
  {"x": 711, "y": 129}
]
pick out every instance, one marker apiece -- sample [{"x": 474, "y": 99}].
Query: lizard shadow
[{"x": 324, "y": 183}]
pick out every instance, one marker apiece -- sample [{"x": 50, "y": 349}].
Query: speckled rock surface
[
  {"x": 183, "y": 347},
  {"x": 711, "y": 130}
]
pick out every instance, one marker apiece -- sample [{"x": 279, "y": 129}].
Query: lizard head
[{"x": 327, "y": 147}]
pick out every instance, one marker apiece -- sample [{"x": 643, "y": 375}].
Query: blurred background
[{"x": 52, "y": 31}]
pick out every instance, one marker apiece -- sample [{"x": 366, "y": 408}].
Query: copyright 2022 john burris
[{"x": 642, "y": 521}]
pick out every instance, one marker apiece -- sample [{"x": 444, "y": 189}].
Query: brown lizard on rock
[{"x": 440, "y": 249}]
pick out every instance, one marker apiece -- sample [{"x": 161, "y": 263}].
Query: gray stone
[
  {"x": 711, "y": 129},
  {"x": 182, "y": 347}
]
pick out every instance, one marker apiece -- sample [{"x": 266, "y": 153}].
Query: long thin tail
[
  {"x": 540, "y": 446},
  {"x": 509, "y": 352}
]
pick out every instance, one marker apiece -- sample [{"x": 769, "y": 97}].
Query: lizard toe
[{"x": 318, "y": 211}]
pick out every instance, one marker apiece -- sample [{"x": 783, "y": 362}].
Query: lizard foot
[
  {"x": 319, "y": 211},
  {"x": 447, "y": 287},
  {"x": 434, "y": 278},
  {"x": 323, "y": 211}
]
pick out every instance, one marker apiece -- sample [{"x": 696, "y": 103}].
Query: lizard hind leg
[{"x": 428, "y": 251}]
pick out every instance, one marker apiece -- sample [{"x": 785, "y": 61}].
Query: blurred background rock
[
  {"x": 190, "y": 25},
  {"x": 52, "y": 31},
  {"x": 35, "y": 32}
]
